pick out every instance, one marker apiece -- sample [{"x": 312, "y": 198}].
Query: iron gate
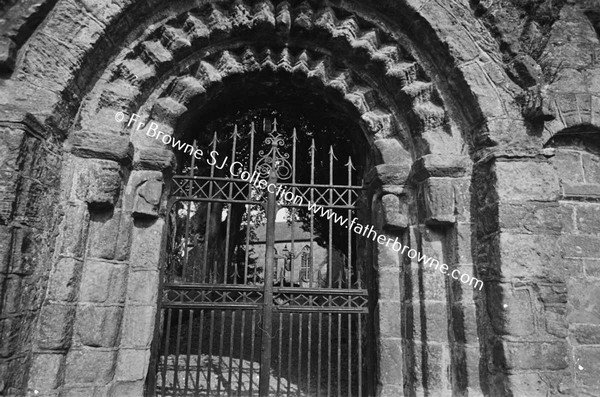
[{"x": 250, "y": 305}]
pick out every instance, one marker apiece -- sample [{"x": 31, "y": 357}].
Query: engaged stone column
[
  {"x": 390, "y": 217},
  {"x": 143, "y": 197},
  {"x": 521, "y": 313},
  {"x": 88, "y": 282},
  {"x": 98, "y": 316},
  {"x": 444, "y": 358},
  {"x": 391, "y": 220}
]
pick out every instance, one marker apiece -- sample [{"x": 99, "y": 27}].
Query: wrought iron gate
[{"x": 250, "y": 306}]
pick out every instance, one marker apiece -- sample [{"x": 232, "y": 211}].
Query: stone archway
[
  {"x": 374, "y": 71},
  {"x": 367, "y": 75}
]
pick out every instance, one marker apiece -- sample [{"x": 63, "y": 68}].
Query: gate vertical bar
[
  {"x": 293, "y": 215},
  {"x": 249, "y": 210},
  {"x": 204, "y": 268},
  {"x": 229, "y": 206},
  {"x": 187, "y": 218},
  {"x": 312, "y": 214},
  {"x": 338, "y": 372},
  {"x": 267, "y": 320}
]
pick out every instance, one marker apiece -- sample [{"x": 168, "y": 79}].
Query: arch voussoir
[
  {"x": 168, "y": 47},
  {"x": 360, "y": 97}
]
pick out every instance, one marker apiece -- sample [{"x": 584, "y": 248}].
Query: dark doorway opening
[{"x": 261, "y": 295}]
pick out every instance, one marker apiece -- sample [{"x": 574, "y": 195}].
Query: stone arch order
[
  {"x": 112, "y": 22},
  {"x": 203, "y": 78},
  {"x": 336, "y": 25},
  {"x": 402, "y": 83},
  {"x": 167, "y": 110},
  {"x": 208, "y": 79},
  {"x": 188, "y": 93},
  {"x": 393, "y": 95}
]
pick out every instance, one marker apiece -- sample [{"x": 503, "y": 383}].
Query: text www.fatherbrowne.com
[
  {"x": 289, "y": 196},
  {"x": 367, "y": 231}
]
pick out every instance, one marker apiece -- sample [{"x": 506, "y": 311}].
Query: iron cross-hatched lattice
[{"x": 239, "y": 317}]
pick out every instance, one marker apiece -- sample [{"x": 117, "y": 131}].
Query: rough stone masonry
[{"x": 483, "y": 126}]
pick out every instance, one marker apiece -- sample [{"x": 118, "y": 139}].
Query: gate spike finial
[
  {"x": 215, "y": 140},
  {"x": 274, "y": 125},
  {"x": 312, "y": 167},
  {"x": 350, "y": 168},
  {"x": 331, "y": 157},
  {"x": 294, "y": 135},
  {"x": 235, "y": 132},
  {"x": 350, "y": 165},
  {"x": 331, "y": 153}
]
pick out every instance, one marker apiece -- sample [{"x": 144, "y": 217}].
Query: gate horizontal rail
[
  {"x": 233, "y": 190},
  {"x": 271, "y": 321},
  {"x": 210, "y": 296}
]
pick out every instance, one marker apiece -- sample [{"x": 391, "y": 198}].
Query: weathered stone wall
[
  {"x": 464, "y": 105},
  {"x": 96, "y": 326},
  {"x": 524, "y": 284},
  {"x": 573, "y": 54},
  {"x": 578, "y": 168},
  {"x": 30, "y": 164},
  {"x": 536, "y": 305}
]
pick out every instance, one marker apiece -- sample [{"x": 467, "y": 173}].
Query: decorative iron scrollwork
[{"x": 274, "y": 159}]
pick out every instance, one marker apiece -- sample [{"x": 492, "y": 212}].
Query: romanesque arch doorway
[{"x": 260, "y": 295}]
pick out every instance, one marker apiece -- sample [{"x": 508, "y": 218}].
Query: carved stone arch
[
  {"x": 390, "y": 69},
  {"x": 168, "y": 103},
  {"x": 384, "y": 88},
  {"x": 164, "y": 43},
  {"x": 435, "y": 68},
  {"x": 382, "y": 83},
  {"x": 312, "y": 75},
  {"x": 466, "y": 85}
]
